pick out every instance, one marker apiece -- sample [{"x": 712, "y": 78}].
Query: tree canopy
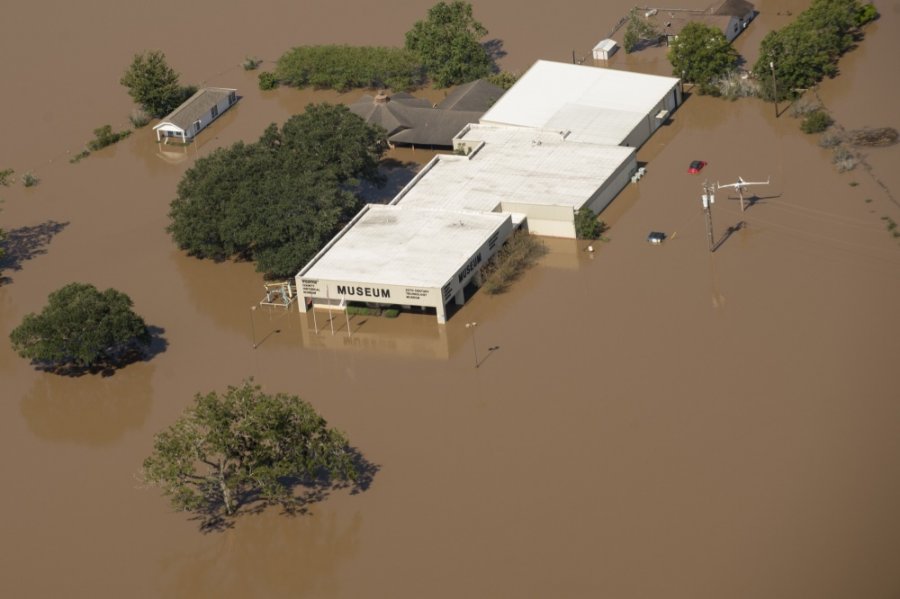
[
  {"x": 700, "y": 54},
  {"x": 807, "y": 50},
  {"x": 279, "y": 200},
  {"x": 81, "y": 327},
  {"x": 449, "y": 42},
  {"x": 244, "y": 445},
  {"x": 5, "y": 174},
  {"x": 153, "y": 84}
]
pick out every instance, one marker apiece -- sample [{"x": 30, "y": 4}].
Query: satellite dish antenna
[{"x": 740, "y": 185}]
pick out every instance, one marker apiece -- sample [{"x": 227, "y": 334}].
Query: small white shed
[
  {"x": 605, "y": 49},
  {"x": 195, "y": 113}
]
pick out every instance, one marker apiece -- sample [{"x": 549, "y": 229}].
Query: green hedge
[{"x": 344, "y": 67}]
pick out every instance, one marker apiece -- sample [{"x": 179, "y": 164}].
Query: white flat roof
[
  {"x": 597, "y": 104},
  {"x": 405, "y": 245},
  {"x": 515, "y": 165},
  {"x": 607, "y": 44}
]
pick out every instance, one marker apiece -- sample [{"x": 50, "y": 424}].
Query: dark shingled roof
[
  {"x": 196, "y": 106},
  {"x": 473, "y": 96},
  {"x": 411, "y": 120},
  {"x": 436, "y": 127}
]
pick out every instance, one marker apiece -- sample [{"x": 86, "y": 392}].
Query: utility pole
[
  {"x": 774, "y": 86},
  {"x": 708, "y": 199},
  {"x": 472, "y": 325}
]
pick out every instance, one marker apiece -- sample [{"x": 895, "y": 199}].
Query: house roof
[
  {"x": 672, "y": 23},
  {"x": 412, "y": 120},
  {"x": 478, "y": 95},
  {"x": 435, "y": 127},
  {"x": 392, "y": 113},
  {"x": 195, "y": 107},
  {"x": 736, "y": 8},
  {"x": 718, "y": 16}
]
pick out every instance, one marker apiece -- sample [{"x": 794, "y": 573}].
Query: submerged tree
[
  {"x": 587, "y": 226},
  {"x": 801, "y": 54},
  {"x": 278, "y": 201},
  {"x": 5, "y": 175},
  {"x": 638, "y": 30},
  {"x": 81, "y": 327},
  {"x": 701, "y": 54},
  {"x": 153, "y": 84},
  {"x": 245, "y": 445},
  {"x": 449, "y": 43}
]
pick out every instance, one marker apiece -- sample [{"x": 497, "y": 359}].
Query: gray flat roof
[
  {"x": 515, "y": 165},
  {"x": 195, "y": 107},
  {"x": 397, "y": 245}
]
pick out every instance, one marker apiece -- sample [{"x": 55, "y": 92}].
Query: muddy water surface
[{"x": 644, "y": 421}]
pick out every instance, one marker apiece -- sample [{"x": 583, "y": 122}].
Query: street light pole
[
  {"x": 707, "y": 201},
  {"x": 774, "y": 86},
  {"x": 472, "y": 325},
  {"x": 253, "y": 326}
]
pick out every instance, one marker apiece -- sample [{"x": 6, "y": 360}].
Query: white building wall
[
  {"x": 548, "y": 221},
  {"x": 615, "y": 184}
]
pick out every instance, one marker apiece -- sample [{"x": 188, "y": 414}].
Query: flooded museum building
[{"x": 561, "y": 140}]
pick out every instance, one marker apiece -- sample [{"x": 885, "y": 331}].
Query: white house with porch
[{"x": 195, "y": 114}]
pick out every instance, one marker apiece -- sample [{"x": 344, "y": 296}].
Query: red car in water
[{"x": 696, "y": 166}]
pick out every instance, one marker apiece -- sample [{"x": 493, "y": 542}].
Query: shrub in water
[
  {"x": 831, "y": 139},
  {"x": 251, "y": 63},
  {"x": 844, "y": 159},
  {"x": 139, "y": 118},
  {"x": 587, "y": 226},
  {"x": 520, "y": 252},
  {"x": 80, "y": 156},
  {"x": 104, "y": 136},
  {"x": 267, "y": 80},
  {"x": 29, "y": 180},
  {"x": 816, "y": 122}
]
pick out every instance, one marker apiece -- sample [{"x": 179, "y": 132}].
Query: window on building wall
[
  {"x": 215, "y": 111},
  {"x": 232, "y": 98},
  {"x": 197, "y": 127}
]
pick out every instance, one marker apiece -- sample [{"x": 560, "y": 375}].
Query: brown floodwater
[{"x": 644, "y": 421}]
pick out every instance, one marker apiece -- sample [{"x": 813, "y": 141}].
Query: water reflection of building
[
  {"x": 173, "y": 154},
  {"x": 414, "y": 335}
]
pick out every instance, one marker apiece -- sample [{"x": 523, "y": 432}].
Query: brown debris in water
[{"x": 873, "y": 137}]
